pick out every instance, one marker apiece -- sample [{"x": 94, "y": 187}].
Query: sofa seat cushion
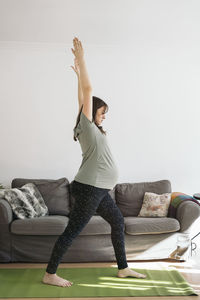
[
  {"x": 55, "y": 225},
  {"x": 142, "y": 225}
]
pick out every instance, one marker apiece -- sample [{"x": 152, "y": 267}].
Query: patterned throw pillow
[
  {"x": 26, "y": 202},
  {"x": 155, "y": 205}
]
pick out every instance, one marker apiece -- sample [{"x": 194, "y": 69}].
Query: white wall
[{"x": 149, "y": 76}]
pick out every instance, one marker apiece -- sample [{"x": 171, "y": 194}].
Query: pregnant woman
[{"x": 96, "y": 176}]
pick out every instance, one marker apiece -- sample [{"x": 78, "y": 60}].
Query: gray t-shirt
[{"x": 98, "y": 167}]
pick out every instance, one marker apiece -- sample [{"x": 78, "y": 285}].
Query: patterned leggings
[{"x": 90, "y": 199}]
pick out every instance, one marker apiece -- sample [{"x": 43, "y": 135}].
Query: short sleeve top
[{"x": 98, "y": 167}]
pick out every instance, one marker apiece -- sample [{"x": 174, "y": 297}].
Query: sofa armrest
[
  {"x": 6, "y": 213},
  {"x": 187, "y": 213},
  {"x": 6, "y": 217}
]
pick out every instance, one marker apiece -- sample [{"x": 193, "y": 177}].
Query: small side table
[{"x": 193, "y": 244}]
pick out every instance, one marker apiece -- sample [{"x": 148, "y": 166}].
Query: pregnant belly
[{"x": 108, "y": 170}]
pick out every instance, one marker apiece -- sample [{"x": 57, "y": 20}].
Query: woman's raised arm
[
  {"x": 80, "y": 93},
  {"x": 85, "y": 83}
]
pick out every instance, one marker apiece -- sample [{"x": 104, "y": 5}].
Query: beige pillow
[{"x": 155, "y": 205}]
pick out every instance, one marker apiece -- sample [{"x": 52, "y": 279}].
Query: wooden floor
[{"x": 190, "y": 271}]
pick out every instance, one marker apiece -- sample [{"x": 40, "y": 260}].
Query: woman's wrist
[{"x": 81, "y": 60}]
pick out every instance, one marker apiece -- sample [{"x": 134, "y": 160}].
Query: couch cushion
[
  {"x": 46, "y": 225},
  {"x": 55, "y": 225},
  {"x": 26, "y": 202},
  {"x": 129, "y": 196},
  {"x": 54, "y": 192},
  {"x": 140, "y": 225},
  {"x": 155, "y": 205}
]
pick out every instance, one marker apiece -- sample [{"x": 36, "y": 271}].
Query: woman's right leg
[{"x": 87, "y": 200}]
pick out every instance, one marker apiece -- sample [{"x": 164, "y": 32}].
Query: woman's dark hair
[{"x": 97, "y": 103}]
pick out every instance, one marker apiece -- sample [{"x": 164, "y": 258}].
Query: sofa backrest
[
  {"x": 129, "y": 196},
  {"x": 54, "y": 192}
]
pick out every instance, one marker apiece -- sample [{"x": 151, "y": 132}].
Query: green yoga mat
[{"x": 92, "y": 282}]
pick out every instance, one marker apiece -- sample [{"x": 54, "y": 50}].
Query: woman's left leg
[{"x": 109, "y": 211}]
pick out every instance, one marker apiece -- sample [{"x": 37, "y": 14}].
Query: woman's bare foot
[
  {"x": 55, "y": 280},
  {"x": 128, "y": 272}
]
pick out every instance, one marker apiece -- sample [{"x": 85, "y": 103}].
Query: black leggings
[{"x": 90, "y": 199}]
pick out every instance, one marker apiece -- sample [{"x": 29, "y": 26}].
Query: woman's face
[{"x": 100, "y": 115}]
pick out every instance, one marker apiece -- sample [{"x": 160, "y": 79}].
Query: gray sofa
[{"x": 32, "y": 240}]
